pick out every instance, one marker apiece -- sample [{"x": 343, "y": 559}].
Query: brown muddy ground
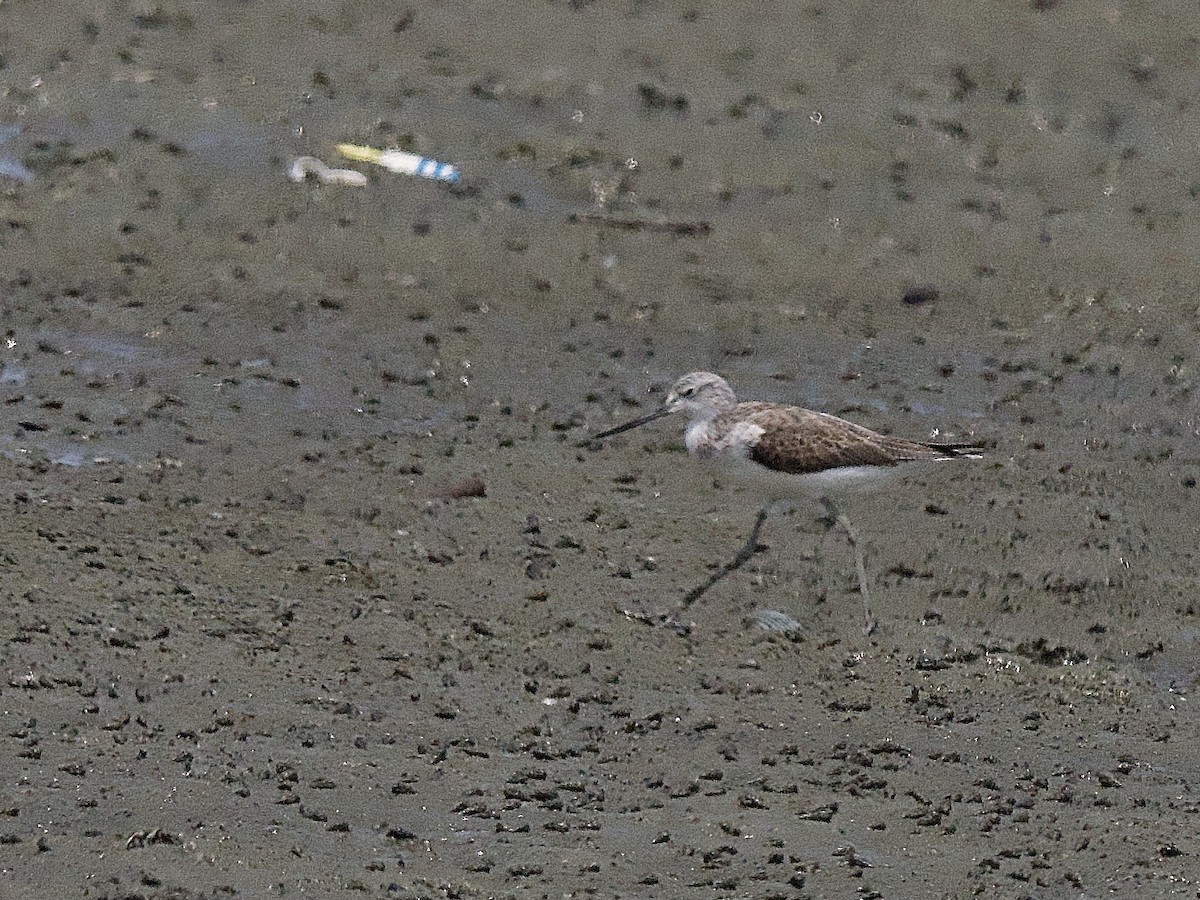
[{"x": 316, "y": 585}]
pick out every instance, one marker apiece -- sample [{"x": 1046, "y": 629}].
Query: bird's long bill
[{"x": 657, "y": 414}]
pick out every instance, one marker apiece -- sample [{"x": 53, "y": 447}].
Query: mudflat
[{"x": 317, "y": 583}]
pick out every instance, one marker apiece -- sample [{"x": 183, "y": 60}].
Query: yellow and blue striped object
[{"x": 403, "y": 162}]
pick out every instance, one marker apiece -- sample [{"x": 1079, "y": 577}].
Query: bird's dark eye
[{"x": 687, "y": 392}]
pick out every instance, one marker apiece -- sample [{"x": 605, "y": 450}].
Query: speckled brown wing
[{"x": 800, "y": 441}]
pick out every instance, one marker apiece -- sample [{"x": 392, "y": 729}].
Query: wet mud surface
[{"x": 316, "y": 583}]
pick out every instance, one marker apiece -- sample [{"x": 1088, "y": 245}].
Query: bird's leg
[
  {"x": 839, "y": 517},
  {"x": 743, "y": 556}
]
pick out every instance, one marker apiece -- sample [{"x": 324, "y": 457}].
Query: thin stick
[
  {"x": 683, "y": 229},
  {"x": 743, "y": 556},
  {"x": 869, "y": 623}
]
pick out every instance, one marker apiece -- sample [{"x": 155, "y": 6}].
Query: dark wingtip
[{"x": 959, "y": 451}]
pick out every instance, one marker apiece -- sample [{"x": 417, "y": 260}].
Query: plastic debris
[
  {"x": 402, "y": 162},
  {"x": 11, "y": 167},
  {"x": 304, "y": 166}
]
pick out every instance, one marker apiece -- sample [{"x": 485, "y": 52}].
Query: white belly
[{"x": 771, "y": 485}]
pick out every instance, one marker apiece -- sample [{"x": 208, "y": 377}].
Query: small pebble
[
  {"x": 923, "y": 293},
  {"x": 774, "y": 620},
  {"x": 470, "y": 486}
]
